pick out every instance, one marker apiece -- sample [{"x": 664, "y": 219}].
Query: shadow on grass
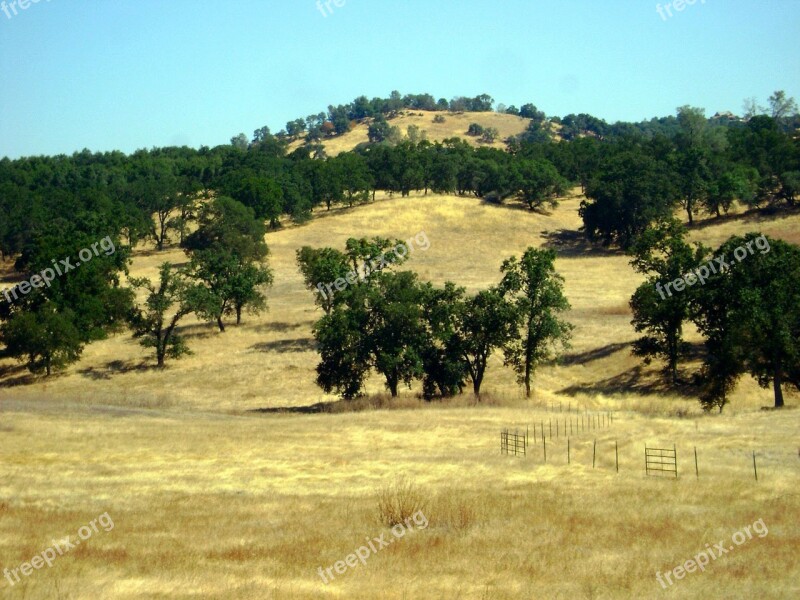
[
  {"x": 374, "y": 402},
  {"x": 582, "y": 358},
  {"x": 754, "y": 215},
  {"x": 280, "y": 346},
  {"x": 635, "y": 380},
  {"x": 280, "y": 327},
  {"x": 116, "y": 367},
  {"x": 15, "y": 375},
  {"x": 571, "y": 243}
]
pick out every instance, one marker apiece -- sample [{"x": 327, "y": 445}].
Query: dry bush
[{"x": 400, "y": 501}]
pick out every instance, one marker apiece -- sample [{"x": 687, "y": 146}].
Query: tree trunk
[
  {"x": 476, "y": 385},
  {"x": 238, "y": 315},
  {"x": 777, "y": 380},
  {"x": 392, "y": 382},
  {"x": 220, "y": 324}
]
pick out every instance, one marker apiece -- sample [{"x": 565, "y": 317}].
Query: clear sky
[{"x": 128, "y": 74}]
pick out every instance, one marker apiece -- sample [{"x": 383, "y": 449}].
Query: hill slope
[
  {"x": 269, "y": 361},
  {"x": 455, "y": 125}
]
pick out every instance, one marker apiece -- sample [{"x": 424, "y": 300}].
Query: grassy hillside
[
  {"x": 217, "y": 493},
  {"x": 455, "y": 125}
]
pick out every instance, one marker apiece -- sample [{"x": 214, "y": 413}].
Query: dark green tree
[
  {"x": 663, "y": 255},
  {"x": 535, "y": 290},
  {"x": 150, "y": 322},
  {"x": 227, "y": 257},
  {"x": 45, "y": 338}
]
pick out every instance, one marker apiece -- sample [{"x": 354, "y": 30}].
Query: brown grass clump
[{"x": 399, "y": 501}]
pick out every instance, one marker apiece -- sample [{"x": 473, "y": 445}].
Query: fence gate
[
  {"x": 661, "y": 460},
  {"x": 513, "y": 443}
]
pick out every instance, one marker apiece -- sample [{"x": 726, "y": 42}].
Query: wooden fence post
[{"x": 755, "y": 469}]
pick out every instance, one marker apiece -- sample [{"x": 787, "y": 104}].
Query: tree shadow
[
  {"x": 753, "y": 215},
  {"x": 581, "y": 358},
  {"x": 571, "y": 243},
  {"x": 199, "y": 331},
  {"x": 311, "y": 409},
  {"x": 16, "y": 375},
  {"x": 293, "y": 345},
  {"x": 635, "y": 380},
  {"x": 281, "y": 327},
  {"x": 115, "y": 367}
]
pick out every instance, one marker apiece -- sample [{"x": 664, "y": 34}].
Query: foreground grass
[{"x": 220, "y": 506}]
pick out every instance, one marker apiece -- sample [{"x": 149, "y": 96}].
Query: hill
[
  {"x": 455, "y": 125},
  {"x": 221, "y": 482}
]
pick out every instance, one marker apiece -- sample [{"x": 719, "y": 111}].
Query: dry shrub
[{"x": 400, "y": 501}]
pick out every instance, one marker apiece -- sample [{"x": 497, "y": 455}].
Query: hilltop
[{"x": 455, "y": 125}]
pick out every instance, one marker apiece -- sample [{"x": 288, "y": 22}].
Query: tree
[
  {"x": 489, "y": 135},
  {"x": 484, "y": 323},
  {"x": 535, "y": 289},
  {"x": 692, "y": 158},
  {"x": 321, "y": 266},
  {"x": 261, "y": 135},
  {"x": 529, "y": 111},
  {"x": 538, "y": 182},
  {"x": 752, "y": 313},
  {"x": 158, "y": 194},
  {"x": 262, "y": 194},
  {"x": 227, "y": 255},
  {"x": 396, "y": 330},
  {"x": 381, "y": 131},
  {"x": 45, "y": 338},
  {"x": 781, "y": 107},
  {"x": 240, "y": 142},
  {"x": 150, "y": 322},
  {"x": 445, "y": 368},
  {"x": 356, "y": 179},
  {"x": 628, "y": 193},
  {"x": 344, "y": 347},
  {"x": 663, "y": 255},
  {"x": 475, "y": 129}
]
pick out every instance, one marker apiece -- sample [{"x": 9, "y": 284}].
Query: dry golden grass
[
  {"x": 455, "y": 125},
  {"x": 223, "y": 482}
]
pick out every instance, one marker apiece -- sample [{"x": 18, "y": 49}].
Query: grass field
[{"x": 223, "y": 483}]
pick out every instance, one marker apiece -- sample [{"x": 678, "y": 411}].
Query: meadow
[{"x": 231, "y": 475}]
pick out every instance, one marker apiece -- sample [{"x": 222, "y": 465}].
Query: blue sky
[{"x": 128, "y": 74}]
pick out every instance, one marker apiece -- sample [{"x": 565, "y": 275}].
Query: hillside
[
  {"x": 216, "y": 491},
  {"x": 269, "y": 361},
  {"x": 455, "y": 125}
]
